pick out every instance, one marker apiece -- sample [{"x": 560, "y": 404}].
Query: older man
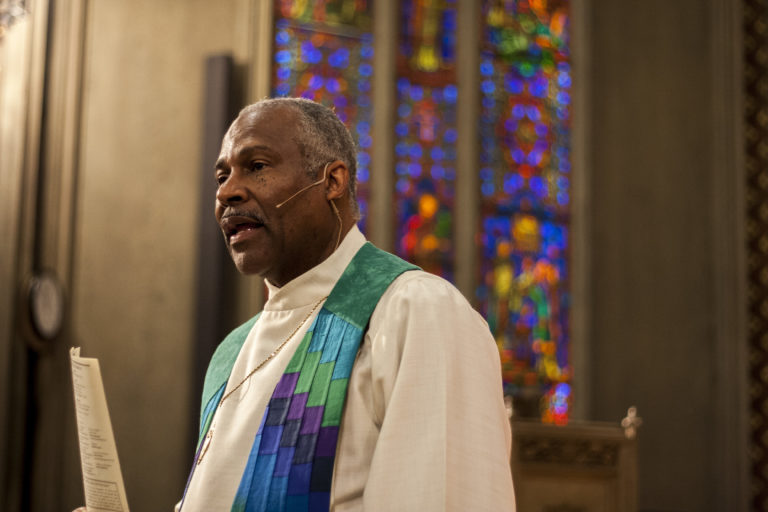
[{"x": 365, "y": 383}]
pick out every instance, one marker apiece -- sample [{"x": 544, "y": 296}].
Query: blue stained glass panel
[
  {"x": 525, "y": 198},
  {"x": 324, "y": 51},
  {"x": 425, "y": 132}
]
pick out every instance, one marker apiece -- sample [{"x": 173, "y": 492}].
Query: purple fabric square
[
  {"x": 326, "y": 442},
  {"x": 298, "y": 479},
  {"x": 286, "y": 385},
  {"x": 313, "y": 417},
  {"x": 298, "y": 403}
]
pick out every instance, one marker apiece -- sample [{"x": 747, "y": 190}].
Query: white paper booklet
[{"x": 102, "y": 478}]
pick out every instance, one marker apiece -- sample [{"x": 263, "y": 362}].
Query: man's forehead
[
  {"x": 273, "y": 118},
  {"x": 261, "y": 128},
  {"x": 271, "y": 115}
]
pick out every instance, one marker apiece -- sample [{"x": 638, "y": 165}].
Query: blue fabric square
[
  {"x": 335, "y": 337},
  {"x": 270, "y": 439},
  {"x": 259, "y": 486},
  {"x": 320, "y": 335},
  {"x": 319, "y": 501},
  {"x": 284, "y": 461},
  {"x": 298, "y": 479},
  {"x": 347, "y": 353},
  {"x": 297, "y": 503},
  {"x": 276, "y": 499}
]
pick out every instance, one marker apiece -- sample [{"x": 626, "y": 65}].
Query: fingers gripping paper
[{"x": 102, "y": 478}]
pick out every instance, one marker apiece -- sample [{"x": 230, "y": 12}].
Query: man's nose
[{"x": 231, "y": 191}]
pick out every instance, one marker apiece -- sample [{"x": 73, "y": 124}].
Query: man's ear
[{"x": 337, "y": 181}]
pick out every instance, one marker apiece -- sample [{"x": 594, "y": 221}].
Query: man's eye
[
  {"x": 220, "y": 179},
  {"x": 258, "y": 166}
]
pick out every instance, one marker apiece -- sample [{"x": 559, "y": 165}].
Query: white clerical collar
[{"x": 316, "y": 282}]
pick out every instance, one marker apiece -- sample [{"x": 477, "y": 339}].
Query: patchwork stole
[{"x": 291, "y": 461}]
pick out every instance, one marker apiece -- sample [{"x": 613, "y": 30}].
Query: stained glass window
[
  {"x": 525, "y": 185},
  {"x": 425, "y": 134},
  {"x": 324, "y": 51}
]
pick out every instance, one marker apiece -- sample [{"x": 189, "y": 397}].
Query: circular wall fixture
[{"x": 45, "y": 301}]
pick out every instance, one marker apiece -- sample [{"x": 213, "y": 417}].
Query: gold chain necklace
[{"x": 209, "y": 435}]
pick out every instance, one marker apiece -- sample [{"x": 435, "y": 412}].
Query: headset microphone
[{"x": 325, "y": 171}]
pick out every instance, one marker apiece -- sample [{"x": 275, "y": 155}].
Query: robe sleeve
[{"x": 444, "y": 436}]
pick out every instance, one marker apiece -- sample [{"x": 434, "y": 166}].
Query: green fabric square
[
  {"x": 335, "y": 404},
  {"x": 307, "y": 372},
  {"x": 222, "y": 361},
  {"x": 298, "y": 357},
  {"x": 363, "y": 282},
  {"x": 319, "y": 390}
]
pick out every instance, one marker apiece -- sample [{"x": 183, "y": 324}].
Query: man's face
[{"x": 259, "y": 167}]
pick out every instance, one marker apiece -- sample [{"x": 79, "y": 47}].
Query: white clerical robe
[{"x": 424, "y": 425}]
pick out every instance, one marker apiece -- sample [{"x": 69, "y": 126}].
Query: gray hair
[{"x": 320, "y": 136}]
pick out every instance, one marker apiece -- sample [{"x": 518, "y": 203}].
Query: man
[{"x": 365, "y": 383}]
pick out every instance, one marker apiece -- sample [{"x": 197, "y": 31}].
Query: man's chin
[
  {"x": 247, "y": 266},
  {"x": 249, "y": 270}
]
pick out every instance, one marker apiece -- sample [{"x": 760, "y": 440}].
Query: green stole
[{"x": 291, "y": 461}]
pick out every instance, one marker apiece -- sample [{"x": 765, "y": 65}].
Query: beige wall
[
  {"x": 666, "y": 246},
  {"x": 16, "y": 94},
  {"x": 137, "y": 215}
]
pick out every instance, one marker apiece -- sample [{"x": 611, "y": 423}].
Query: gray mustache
[{"x": 233, "y": 212}]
